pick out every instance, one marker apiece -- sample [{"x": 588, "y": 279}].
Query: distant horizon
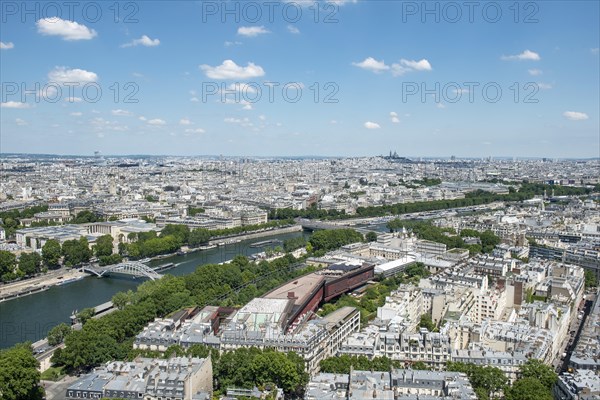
[{"x": 307, "y": 156}]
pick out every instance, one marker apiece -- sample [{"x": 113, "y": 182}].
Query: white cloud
[
  {"x": 20, "y": 122},
  {"x": 76, "y": 114},
  {"x": 142, "y": 118},
  {"x": 122, "y": 113},
  {"x": 372, "y": 125},
  {"x": 575, "y": 115},
  {"x": 194, "y": 99},
  {"x": 236, "y": 43},
  {"x": 247, "y": 105},
  {"x": 293, "y": 29},
  {"x": 230, "y": 70},
  {"x": 143, "y": 41},
  {"x": 14, "y": 104},
  {"x": 252, "y": 31},
  {"x": 333, "y": 122},
  {"x": 157, "y": 122},
  {"x": 397, "y": 69},
  {"x": 595, "y": 50},
  {"x": 262, "y": 117},
  {"x": 421, "y": 65},
  {"x": 64, "y": 75},
  {"x": 371, "y": 64},
  {"x": 535, "y": 72},
  {"x": 196, "y": 130},
  {"x": 440, "y": 106},
  {"x": 185, "y": 121},
  {"x": 410, "y": 65},
  {"x": 394, "y": 117},
  {"x": 245, "y": 122},
  {"x": 526, "y": 55},
  {"x": 68, "y": 30},
  {"x": 7, "y": 46},
  {"x": 544, "y": 86},
  {"x": 73, "y": 99}
]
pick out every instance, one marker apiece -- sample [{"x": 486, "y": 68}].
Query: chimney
[{"x": 291, "y": 295}]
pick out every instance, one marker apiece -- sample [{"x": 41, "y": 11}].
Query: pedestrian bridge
[
  {"x": 133, "y": 268},
  {"x": 315, "y": 225}
]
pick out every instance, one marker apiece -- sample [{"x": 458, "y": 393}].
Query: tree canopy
[
  {"x": 534, "y": 368},
  {"x": 76, "y": 252},
  {"x": 51, "y": 253},
  {"x": 333, "y": 239},
  {"x": 19, "y": 376}
]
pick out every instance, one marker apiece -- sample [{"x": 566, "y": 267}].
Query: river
[{"x": 30, "y": 318}]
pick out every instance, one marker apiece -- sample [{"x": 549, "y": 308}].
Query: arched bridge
[
  {"x": 132, "y": 268},
  {"x": 314, "y": 225}
]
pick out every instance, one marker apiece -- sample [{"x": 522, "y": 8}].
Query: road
[{"x": 577, "y": 327}]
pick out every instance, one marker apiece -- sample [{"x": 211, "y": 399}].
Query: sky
[{"x": 339, "y": 78}]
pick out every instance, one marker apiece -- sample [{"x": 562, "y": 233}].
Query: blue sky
[{"x": 367, "y": 76}]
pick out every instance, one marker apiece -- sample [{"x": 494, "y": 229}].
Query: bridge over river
[
  {"x": 314, "y": 225},
  {"x": 132, "y": 268}
]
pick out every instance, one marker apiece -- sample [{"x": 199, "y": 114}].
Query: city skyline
[{"x": 372, "y": 76}]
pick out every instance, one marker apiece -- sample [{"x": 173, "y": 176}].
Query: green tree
[
  {"x": 195, "y": 210},
  {"x": 534, "y": 368},
  {"x": 418, "y": 270},
  {"x": 88, "y": 348},
  {"x": 371, "y": 236},
  {"x": 294, "y": 243},
  {"x": 19, "y": 376},
  {"x": 86, "y": 314},
  {"x": 181, "y": 232},
  {"x": 528, "y": 389},
  {"x": 426, "y": 322},
  {"x": 57, "y": 334},
  {"x": 30, "y": 263},
  {"x": 120, "y": 300},
  {"x": 590, "y": 279},
  {"x": 109, "y": 260},
  {"x": 419, "y": 365},
  {"x": 104, "y": 246},
  {"x": 489, "y": 241},
  {"x": 335, "y": 238},
  {"x": 485, "y": 380},
  {"x": 76, "y": 251},
  {"x": 51, "y": 252},
  {"x": 8, "y": 262},
  {"x": 85, "y": 217},
  {"x": 199, "y": 236}
]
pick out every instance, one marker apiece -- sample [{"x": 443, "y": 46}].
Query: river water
[{"x": 30, "y": 318}]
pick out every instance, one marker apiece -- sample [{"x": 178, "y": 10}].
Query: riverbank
[
  {"x": 254, "y": 235},
  {"x": 40, "y": 283},
  {"x": 53, "y": 278},
  {"x": 29, "y": 318}
]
